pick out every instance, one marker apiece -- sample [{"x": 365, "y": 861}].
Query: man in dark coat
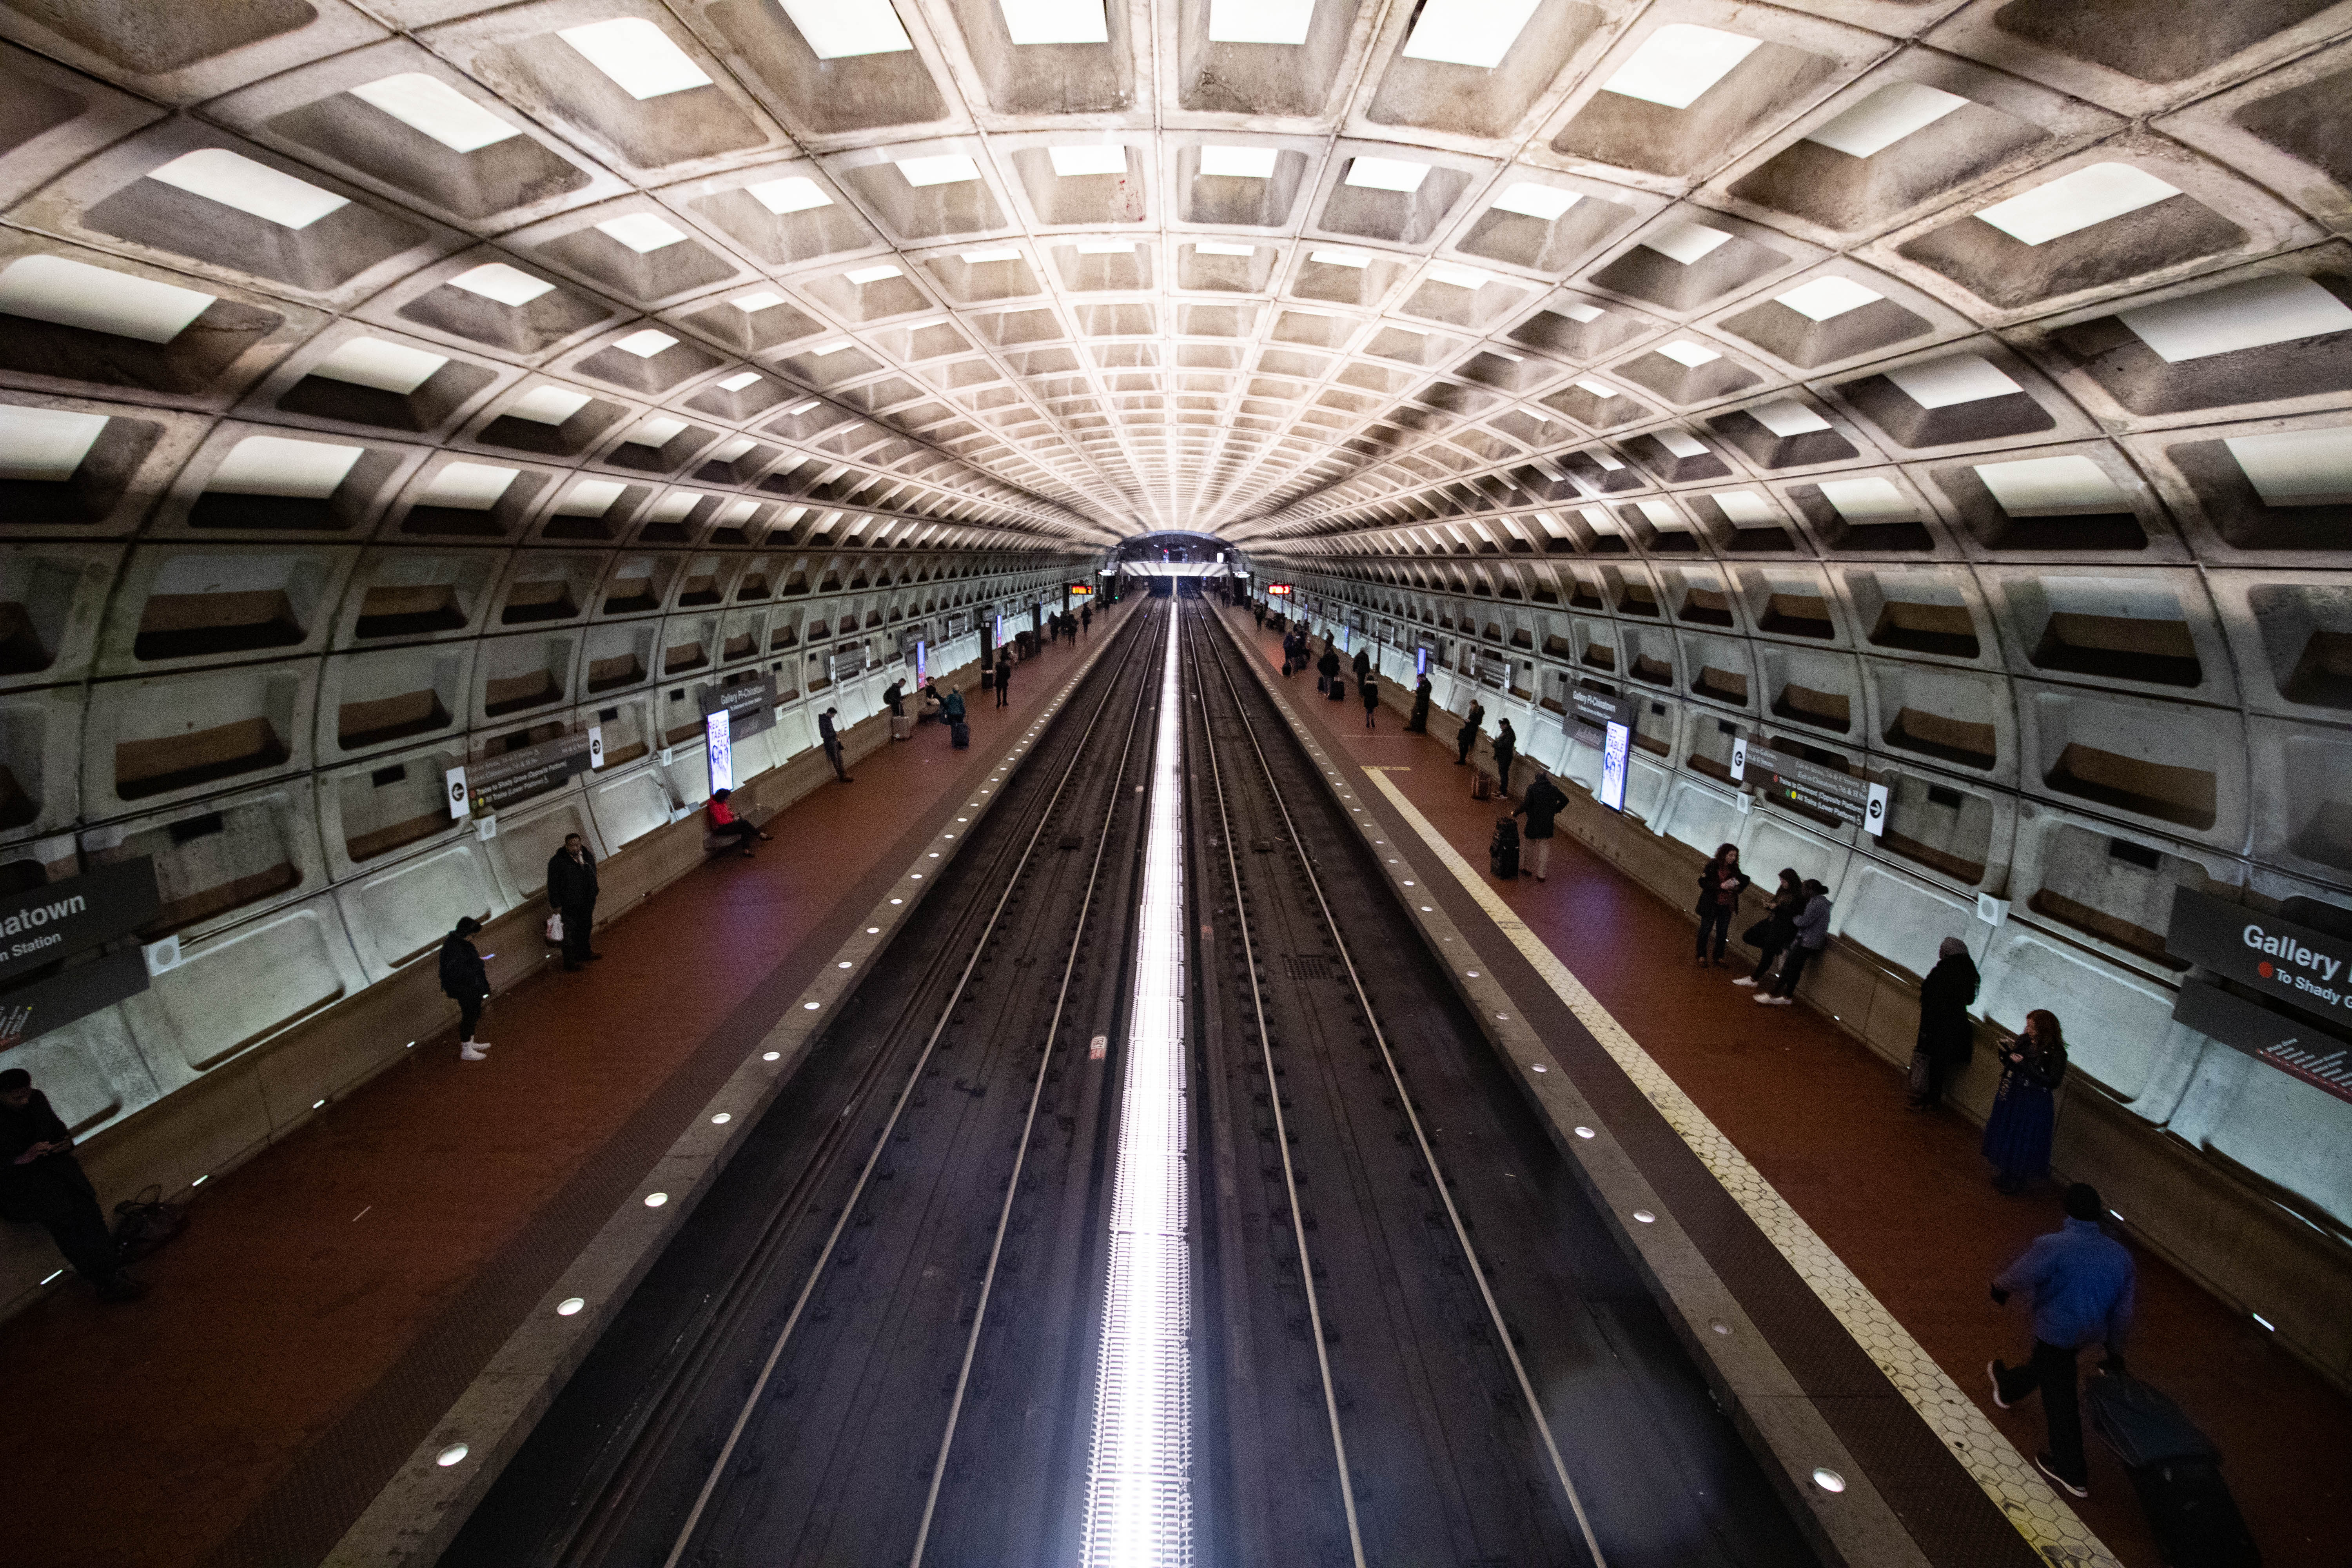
[
  {"x": 1507, "y": 747},
  {"x": 831, "y": 740},
  {"x": 894, "y": 698},
  {"x": 1371, "y": 691},
  {"x": 571, "y": 889},
  {"x": 1004, "y": 676},
  {"x": 1542, "y": 804},
  {"x": 42, "y": 1184},
  {"x": 1467, "y": 736},
  {"x": 466, "y": 981},
  {"x": 1328, "y": 666},
  {"x": 1419, "y": 722},
  {"x": 1363, "y": 662},
  {"x": 1945, "y": 1038},
  {"x": 1086, "y": 620}
]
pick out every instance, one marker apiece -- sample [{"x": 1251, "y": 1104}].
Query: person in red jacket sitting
[{"x": 725, "y": 824}]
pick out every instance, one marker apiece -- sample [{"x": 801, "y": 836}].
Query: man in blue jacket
[{"x": 2082, "y": 1282}]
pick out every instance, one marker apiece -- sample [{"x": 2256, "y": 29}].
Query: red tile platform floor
[
  {"x": 143, "y": 1436},
  {"x": 1905, "y": 1199}
]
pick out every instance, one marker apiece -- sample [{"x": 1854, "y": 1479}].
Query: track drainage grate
[{"x": 1306, "y": 966}]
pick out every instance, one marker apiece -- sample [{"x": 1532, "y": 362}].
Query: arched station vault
[{"x": 1957, "y": 388}]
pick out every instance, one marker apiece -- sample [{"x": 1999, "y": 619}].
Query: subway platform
[
  {"x": 1888, "y": 1215},
  {"x": 332, "y": 1297}
]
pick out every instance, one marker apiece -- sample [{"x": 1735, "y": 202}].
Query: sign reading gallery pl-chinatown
[
  {"x": 2288, "y": 965},
  {"x": 1590, "y": 714},
  {"x": 72, "y": 916},
  {"x": 750, "y": 705},
  {"x": 2297, "y": 965}
]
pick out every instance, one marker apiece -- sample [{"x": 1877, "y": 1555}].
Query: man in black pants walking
[
  {"x": 42, "y": 1184},
  {"x": 2081, "y": 1281},
  {"x": 571, "y": 888}
]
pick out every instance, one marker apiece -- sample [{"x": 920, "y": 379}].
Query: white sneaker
[
  {"x": 471, "y": 1054},
  {"x": 1777, "y": 1001},
  {"x": 1745, "y": 980}
]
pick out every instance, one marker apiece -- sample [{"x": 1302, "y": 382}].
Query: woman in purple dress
[{"x": 2017, "y": 1134}]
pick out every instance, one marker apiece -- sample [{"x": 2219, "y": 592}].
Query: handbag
[
  {"x": 555, "y": 927},
  {"x": 1920, "y": 1070},
  {"x": 1758, "y": 934},
  {"x": 146, "y": 1222}
]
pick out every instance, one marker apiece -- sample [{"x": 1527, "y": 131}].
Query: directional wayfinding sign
[
  {"x": 1801, "y": 782},
  {"x": 63, "y": 919}
]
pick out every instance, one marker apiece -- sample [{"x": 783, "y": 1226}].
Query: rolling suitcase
[
  {"x": 1503, "y": 854},
  {"x": 1338, "y": 689},
  {"x": 959, "y": 735},
  {"x": 2176, "y": 1470}
]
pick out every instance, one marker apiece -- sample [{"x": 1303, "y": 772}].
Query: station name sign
[
  {"x": 1590, "y": 714},
  {"x": 61, "y": 920},
  {"x": 76, "y": 914},
  {"x": 2275, "y": 958},
  {"x": 1809, "y": 784},
  {"x": 751, "y": 707}
]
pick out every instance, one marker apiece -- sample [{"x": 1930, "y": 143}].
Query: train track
[{"x": 734, "y": 1410}]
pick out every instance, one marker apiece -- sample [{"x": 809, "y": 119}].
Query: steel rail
[
  {"x": 718, "y": 1468},
  {"x": 1413, "y": 1118}
]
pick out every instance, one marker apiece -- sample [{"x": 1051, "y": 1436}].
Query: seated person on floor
[
  {"x": 725, "y": 824},
  {"x": 928, "y": 701}
]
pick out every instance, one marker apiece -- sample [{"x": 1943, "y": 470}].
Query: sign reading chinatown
[
  {"x": 750, "y": 706},
  {"x": 2277, "y": 959},
  {"x": 1590, "y": 714},
  {"x": 1796, "y": 782},
  {"x": 61, "y": 920}
]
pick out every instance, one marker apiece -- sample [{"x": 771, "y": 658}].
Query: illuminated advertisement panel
[
  {"x": 720, "y": 729},
  {"x": 1616, "y": 757}
]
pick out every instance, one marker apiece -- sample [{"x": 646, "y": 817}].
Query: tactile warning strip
[{"x": 2048, "y": 1525}]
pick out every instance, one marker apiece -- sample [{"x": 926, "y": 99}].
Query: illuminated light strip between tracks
[{"x": 1139, "y": 1479}]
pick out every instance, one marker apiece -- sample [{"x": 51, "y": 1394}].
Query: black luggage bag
[
  {"x": 2176, "y": 1471},
  {"x": 959, "y": 735},
  {"x": 1338, "y": 689},
  {"x": 1503, "y": 853}
]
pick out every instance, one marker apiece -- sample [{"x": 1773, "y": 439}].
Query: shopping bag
[{"x": 555, "y": 927}]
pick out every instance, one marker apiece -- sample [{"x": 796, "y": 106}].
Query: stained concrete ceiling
[{"x": 1254, "y": 269}]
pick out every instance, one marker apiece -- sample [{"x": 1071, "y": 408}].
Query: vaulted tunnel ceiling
[{"x": 1241, "y": 268}]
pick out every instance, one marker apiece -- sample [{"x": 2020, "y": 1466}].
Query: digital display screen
[
  {"x": 1420, "y": 662},
  {"x": 1616, "y": 757},
  {"x": 1278, "y": 590},
  {"x": 719, "y": 728},
  {"x": 922, "y": 671}
]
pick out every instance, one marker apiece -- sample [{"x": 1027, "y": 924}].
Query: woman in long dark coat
[
  {"x": 1372, "y": 693},
  {"x": 2024, "y": 1110},
  {"x": 1945, "y": 1041},
  {"x": 1419, "y": 722}
]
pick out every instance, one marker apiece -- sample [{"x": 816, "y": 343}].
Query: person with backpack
[
  {"x": 1467, "y": 736},
  {"x": 1720, "y": 883},
  {"x": 1503, "y": 850},
  {"x": 1371, "y": 691},
  {"x": 42, "y": 1184},
  {"x": 1543, "y": 802},
  {"x": 466, "y": 981},
  {"x": 1771, "y": 935},
  {"x": 2081, "y": 1283},
  {"x": 1810, "y": 935},
  {"x": 1944, "y": 1038},
  {"x": 1328, "y": 668}
]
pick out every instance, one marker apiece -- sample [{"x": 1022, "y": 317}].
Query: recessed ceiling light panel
[
  {"x": 1238, "y": 163},
  {"x": 98, "y": 298},
  {"x": 1677, "y": 65},
  {"x": 940, "y": 169},
  {"x": 637, "y": 55},
  {"x": 428, "y": 104},
  {"x": 1056, "y": 21},
  {"x": 1260, "y": 21},
  {"x": 1896, "y": 110},
  {"x": 840, "y": 29},
  {"x": 2072, "y": 203},
  {"x": 496, "y": 280},
  {"x": 1386, "y": 174},
  {"x": 220, "y": 175}
]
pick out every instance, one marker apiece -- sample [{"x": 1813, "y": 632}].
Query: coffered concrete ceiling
[{"x": 1247, "y": 268}]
